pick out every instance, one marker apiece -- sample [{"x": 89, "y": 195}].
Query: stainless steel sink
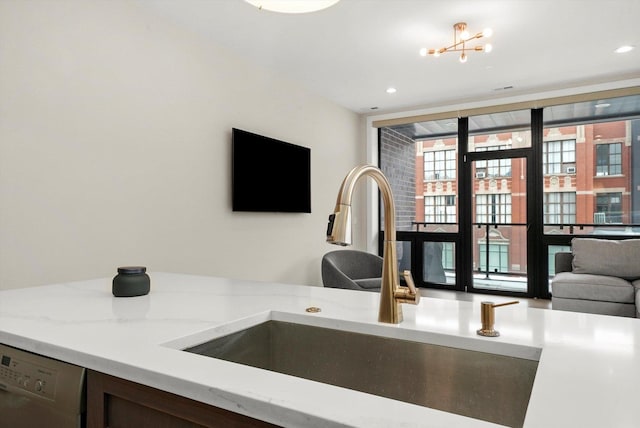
[{"x": 491, "y": 387}]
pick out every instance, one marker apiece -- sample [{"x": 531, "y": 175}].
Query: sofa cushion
[
  {"x": 636, "y": 285},
  {"x": 593, "y": 287},
  {"x": 606, "y": 257},
  {"x": 594, "y": 307}
]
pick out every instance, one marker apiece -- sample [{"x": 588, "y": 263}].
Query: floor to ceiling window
[
  {"x": 487, "y": 200},
  {"x": 421, "y": 162},
  {"x": 595, "y": 192}
]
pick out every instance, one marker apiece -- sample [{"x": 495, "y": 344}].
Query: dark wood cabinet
[{"x": 117, "y": 403}]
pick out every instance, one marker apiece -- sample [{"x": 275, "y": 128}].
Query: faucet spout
[{"x": 339, "y": 233}]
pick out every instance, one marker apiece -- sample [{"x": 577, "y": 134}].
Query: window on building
[
  {"x": 560, "y": 208},
  {"x": 609, "y": 159},
  {"x": 559, "y": 157},
  {"x": 493, "y": 209},
  {"x": 440, "y": 209},
  {"x": 608, "y": 208},
  {"x": 440, "y": 165},
  {"x": 493, "y": 167},
  {"x": 498, "y": 257},
  {"x": 448, "y": 256}
]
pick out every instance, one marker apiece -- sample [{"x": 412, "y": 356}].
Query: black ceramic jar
[{"x": 131, "y": 281}]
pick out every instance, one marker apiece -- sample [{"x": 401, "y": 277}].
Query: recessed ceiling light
[
  {"x": 624, "y": 49},
  {"x": 602, "y": 105},
  {"x": 391, "y": 90},
  {"x": 289, "y": 6}
]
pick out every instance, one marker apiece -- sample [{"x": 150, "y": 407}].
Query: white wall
[{"x": 115, "y": 150}]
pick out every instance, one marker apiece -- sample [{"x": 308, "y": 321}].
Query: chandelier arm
[
  {"x": 458, "y": 50},
  {"x": 453, "y": 47}
]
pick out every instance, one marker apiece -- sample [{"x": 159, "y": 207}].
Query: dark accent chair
[{"x": 352, "y": 269}]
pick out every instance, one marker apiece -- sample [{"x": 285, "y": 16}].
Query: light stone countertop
[{"x": 588, "y": 373}]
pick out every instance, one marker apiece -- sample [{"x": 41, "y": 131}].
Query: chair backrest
[
  {"x": 356, "y": 264},
  {"x": 564, "y": 262},
  {"x": 351, "y": 269}
]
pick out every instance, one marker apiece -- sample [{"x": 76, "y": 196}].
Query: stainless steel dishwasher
[{"x": 37, "y": 391}]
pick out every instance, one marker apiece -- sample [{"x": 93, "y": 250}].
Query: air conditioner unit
[
  {"x": 599, "y": 218},
  {"x": 571, "y": 170},
  {"x": 480, "y": 174}
]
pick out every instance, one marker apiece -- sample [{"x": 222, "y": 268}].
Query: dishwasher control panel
[
  {"x": 16, "y": 371},
  {"x": 38, "y": 391}
]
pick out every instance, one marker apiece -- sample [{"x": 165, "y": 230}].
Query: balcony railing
[{"x": 607, "y": 228}]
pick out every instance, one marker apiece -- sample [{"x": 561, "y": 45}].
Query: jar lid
[{"x": 132, "y": 270}]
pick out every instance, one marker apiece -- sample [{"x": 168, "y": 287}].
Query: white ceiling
[{"x": 353, "y": 51}]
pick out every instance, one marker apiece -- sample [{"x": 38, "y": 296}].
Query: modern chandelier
[{"x": 461, "y": 42}]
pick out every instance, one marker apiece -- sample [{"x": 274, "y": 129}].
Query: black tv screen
[{"x": 269, "y": 175}]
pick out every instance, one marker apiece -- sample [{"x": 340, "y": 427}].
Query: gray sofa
[{"x": 598, "y": 276}]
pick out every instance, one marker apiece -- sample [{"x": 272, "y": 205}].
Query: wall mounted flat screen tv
[{"x": 269, "y": 175}]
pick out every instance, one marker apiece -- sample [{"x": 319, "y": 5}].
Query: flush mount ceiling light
[
  {"x": 461, "y": 39},
  {"x": 624, "y": 49},
  {"x": 292, "y": 6}
]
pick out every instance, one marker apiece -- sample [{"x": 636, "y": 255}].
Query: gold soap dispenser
[{"x": 488, "y": 318}]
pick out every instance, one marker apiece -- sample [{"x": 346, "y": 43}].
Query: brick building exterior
[{"x": 587, "y": 180}]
